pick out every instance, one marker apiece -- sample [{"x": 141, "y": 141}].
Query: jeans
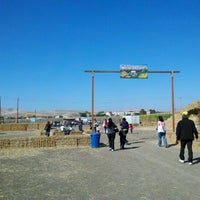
[
  {"x": 189, "y": 147},
  {"x": 111, "y": 140},
  {"x": 162, "y": 137},
  {"x": 47, "y": 133}
]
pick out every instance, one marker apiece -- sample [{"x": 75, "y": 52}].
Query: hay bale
[
  {"x": 18, "y": 127},
  {"x": 76, "y": 133},
  {"x": 5, "y": 127},
  {"x": 32, "y": 126},
  {"x": 40, "y": 142},
  {"x": 87, "y": 131}
]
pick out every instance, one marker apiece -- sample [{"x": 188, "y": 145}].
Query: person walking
[
  {"x": 95, "y": 124},
  {"x": 105, "y": 124},
  {"x": 185, "y": 132},
  {"x": 111, "y": 132},
  {"x": 161, "y": 132},
  {"x": 48, "y": 128},
  {"x": 131, "y": 127},
  {"x": 124, "y": 126},
  {"x": 80, "y": 124}
]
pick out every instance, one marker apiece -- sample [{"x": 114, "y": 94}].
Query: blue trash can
[{"x": 95, "y": 138}]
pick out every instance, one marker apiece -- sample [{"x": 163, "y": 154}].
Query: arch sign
[{"x": 135, "y": 71}]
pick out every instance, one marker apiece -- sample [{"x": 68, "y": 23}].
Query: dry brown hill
[{"x": 193, "y": 110}]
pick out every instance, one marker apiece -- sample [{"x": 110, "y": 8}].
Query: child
[{"x": 131, "y": 127}]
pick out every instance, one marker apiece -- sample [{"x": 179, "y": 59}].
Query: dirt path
[{"x": 141, "y": 171}]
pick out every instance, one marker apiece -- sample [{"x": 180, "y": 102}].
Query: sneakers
[
  {"x": 181, "y": 161},
  {"x": 112, "y": 150},
  {"x": 190, "y": 163}
]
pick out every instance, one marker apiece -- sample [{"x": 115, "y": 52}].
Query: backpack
[{"x": 111, "y": 129}]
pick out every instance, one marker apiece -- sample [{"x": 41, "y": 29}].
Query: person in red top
[{"x": 131, "y": 127}]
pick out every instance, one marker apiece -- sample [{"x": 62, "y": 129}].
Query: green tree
[
  {"x": 100, "y": 114},
  {"x": 83, "y": 114},
  {"x": 143, "y": 112},
  {"x": 152, "y": 111}
]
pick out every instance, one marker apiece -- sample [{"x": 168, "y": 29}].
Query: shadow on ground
[
  {"x": 196, "y": 160},
  {"x": 173, "y": 144}
]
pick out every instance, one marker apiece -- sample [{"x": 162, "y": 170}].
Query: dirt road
[{"x": 142, "y": 172}]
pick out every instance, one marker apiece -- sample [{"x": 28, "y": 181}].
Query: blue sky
[{"x": 45, "y": 46}]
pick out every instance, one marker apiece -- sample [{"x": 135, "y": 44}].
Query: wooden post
[
  {"x": 92, "y": 101},
  {"x": 117, "y": 71},
  {"x": 17, "y": 118},
  {"x": 0, "y": 112},
  {"x": 172, "y": 90}
]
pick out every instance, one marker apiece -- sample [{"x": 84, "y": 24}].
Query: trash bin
[{"x": 94, "y": 138}]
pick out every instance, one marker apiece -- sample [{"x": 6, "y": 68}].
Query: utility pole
[
  {"x": 0, "y": 111},
  {"x": 172, "y": 95},
  {"x": 35, "y": 115},
  {"x": 17, "y": 118}
]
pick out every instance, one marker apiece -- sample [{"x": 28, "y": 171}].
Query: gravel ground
[{"x": 141, "y": 171}]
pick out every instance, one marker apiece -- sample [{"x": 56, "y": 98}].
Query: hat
[{"x": 184, "y": 113}]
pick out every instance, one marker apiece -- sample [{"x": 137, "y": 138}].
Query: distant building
[
  {"x": 148, "y": 112},
  {"x": 122, "y": 113},
  {"x": 108, "y": 114}
]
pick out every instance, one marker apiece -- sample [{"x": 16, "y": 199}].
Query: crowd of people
[
  {"x": 66, "y": 126},
  {"x": 186, "y": 132},
  {"x": 110, "y": 128}
]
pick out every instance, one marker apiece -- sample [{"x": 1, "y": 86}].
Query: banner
[{"x": 135, "y": 71}]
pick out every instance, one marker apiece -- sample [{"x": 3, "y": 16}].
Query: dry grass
[{"x": 171, "y": 138}]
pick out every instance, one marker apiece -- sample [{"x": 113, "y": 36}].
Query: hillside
[
  {"x": 8, "y": 112},
  {"x": 193, "y": 110}
]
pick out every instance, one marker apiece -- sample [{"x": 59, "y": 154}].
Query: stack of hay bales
[
  {"x": 38, "y": 142},
  {"x": 57, "y": 132},
  {"x": 21, "y": 127},
  {"x": 13, "y": 127}
]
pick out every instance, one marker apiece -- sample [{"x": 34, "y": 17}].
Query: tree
[
  {"x": 100, "y": 114},
  {"x": 152, "y": 111},
  {"x": 143, "y": 112},
  {"x": 83, "y": 114}
]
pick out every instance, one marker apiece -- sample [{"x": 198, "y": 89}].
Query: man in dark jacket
[
  {"x": 123, "y": 132},
  {"x": 185, "y": 132}
]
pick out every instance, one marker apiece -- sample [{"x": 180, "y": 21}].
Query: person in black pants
[
  {"x": 111, "y": 132},
  {"x": 123, "y": 132},
  {"x": 185, "y": 132},
  {"x": 48, "y": 128}
]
